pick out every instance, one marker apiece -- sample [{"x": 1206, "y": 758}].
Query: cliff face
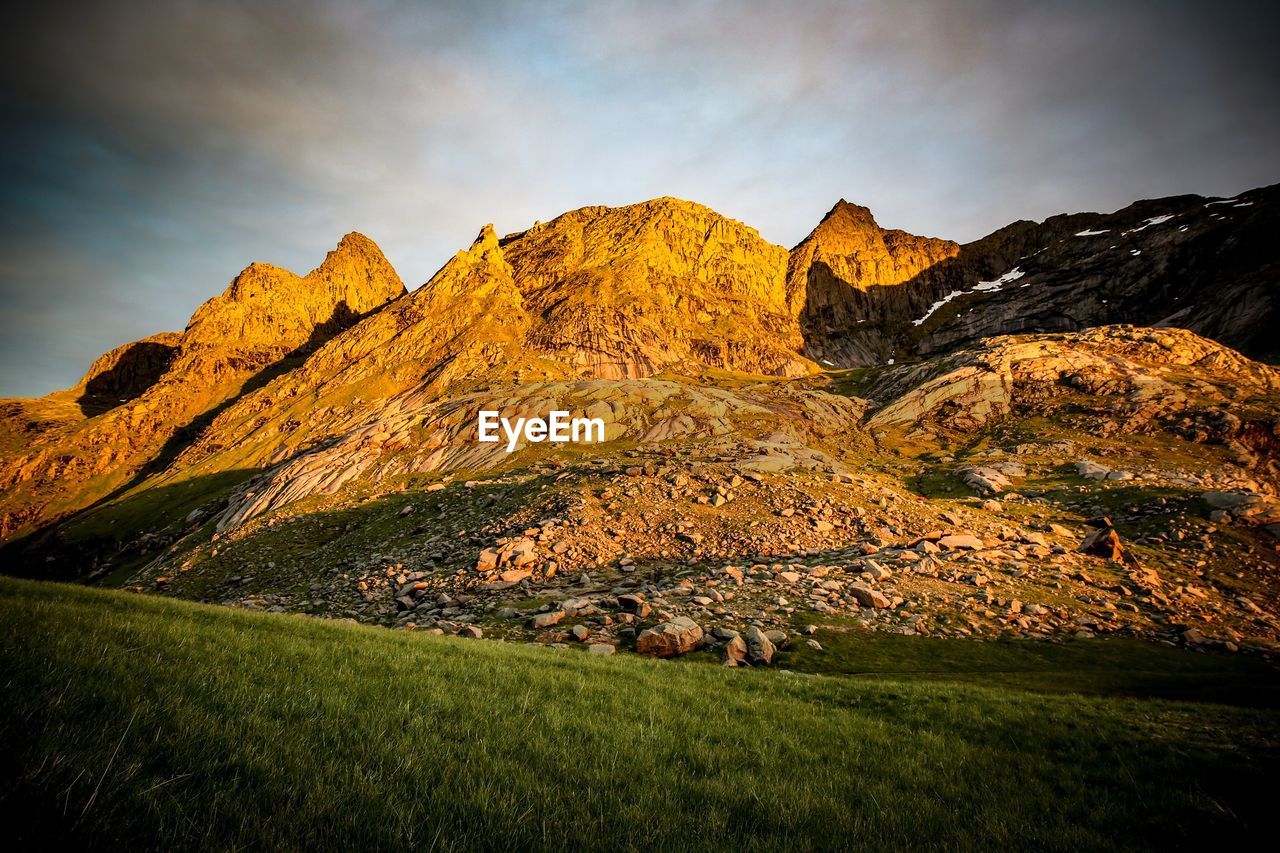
[
  {"x": 627, "y": 292},
  {"x": 127, "y": 371},
  {"x": 598, "y": 293},
  {"x": 843, "y": 282},
  {"x": 138, "y": 398},
  {"x": 1208, "y": 265}
]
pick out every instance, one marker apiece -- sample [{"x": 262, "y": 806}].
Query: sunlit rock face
[{"x": 629, "y": 291}]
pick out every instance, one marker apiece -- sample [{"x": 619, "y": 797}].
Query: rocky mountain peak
[
  {"x": 135, "y": 398},
  {"x": 487, "y": 238},
  {"x": 850, "y": 229},
  {"x": 486, "y": 247},
  {"x": 624, "y": 292},
  {"x": 847, "y": 216},
  {"x": 257, "y": 281},
  {"x": 272, "y": 307},
  {"x": 357, "y": 274}
]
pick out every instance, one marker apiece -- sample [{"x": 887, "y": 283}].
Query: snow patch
[
  {"x": 992, "y": 286},
  {"x": 1223, "y": 201},
  {"x": 981, "y": 287},
  {"x": 1155, "y": 220},
  {"x": 943, "y": 301},
  {"x": 1091, "y": 233}
]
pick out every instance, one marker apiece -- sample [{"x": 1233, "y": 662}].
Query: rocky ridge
[{"x": 168, "y": 382}]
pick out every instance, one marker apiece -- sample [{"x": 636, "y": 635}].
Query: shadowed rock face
[
  {"x": 1210, "y": 266},
  {"x": 127, "y": 371},
  {"x": 1206, "y": 265}
]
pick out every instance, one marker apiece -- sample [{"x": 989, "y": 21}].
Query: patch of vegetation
[
  {"x": 1100, "y": 667},
  {"x": 133, "y": 721},
  {"x": 852, "y": 382},
  {"x": 66, "y": 549}
]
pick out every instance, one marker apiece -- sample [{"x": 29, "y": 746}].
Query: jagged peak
[
  {"x": 487, "y": 239},
  {"x": 846, "y": 215},
  {"x": 354, "y": 240},
  {"x": 256, "y": 279},
  {"x": 455, "y": 278},
  {"x": 356, "y": 248},
  {"x": 848, "y": 227}
]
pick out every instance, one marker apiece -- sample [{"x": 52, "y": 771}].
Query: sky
[{"x": 151, "y": 149}]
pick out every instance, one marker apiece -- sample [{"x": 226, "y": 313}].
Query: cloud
[{"x": 164, "y": 145}]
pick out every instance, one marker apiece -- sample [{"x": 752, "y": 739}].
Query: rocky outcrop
[
  {"x": 440, "y": 436},
  {"x": 127, "y": 371},
  {"x": 1122, "y": 379}
]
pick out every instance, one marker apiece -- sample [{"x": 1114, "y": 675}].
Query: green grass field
[{"x": 131, "y": 721}]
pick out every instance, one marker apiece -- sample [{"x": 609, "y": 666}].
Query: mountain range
[{"x": 864, "y": 391}]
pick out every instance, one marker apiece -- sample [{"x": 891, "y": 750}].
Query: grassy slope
[{"x": 137, "y": 720}]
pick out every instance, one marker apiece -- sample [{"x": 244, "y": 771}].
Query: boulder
[
  {"x": 868, "y": 597},
  {"x": 520, "y": 553},
  {"x": 633, "y": 602},
  {"x": 956, "y": 541},
  {"x": 677, "y": 637},
  {"x": 760, "y": 649},
  {"x": 546, "y": 620},
  {"x": 1262, "y": 510},
  {"x": 1092, "y": 470},
  {"x": 985, "y": 480},
  {"x": 488, "y": 560},
  {"x": 735, "y": 651},
  {"x": 1103, "y": 541}
]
